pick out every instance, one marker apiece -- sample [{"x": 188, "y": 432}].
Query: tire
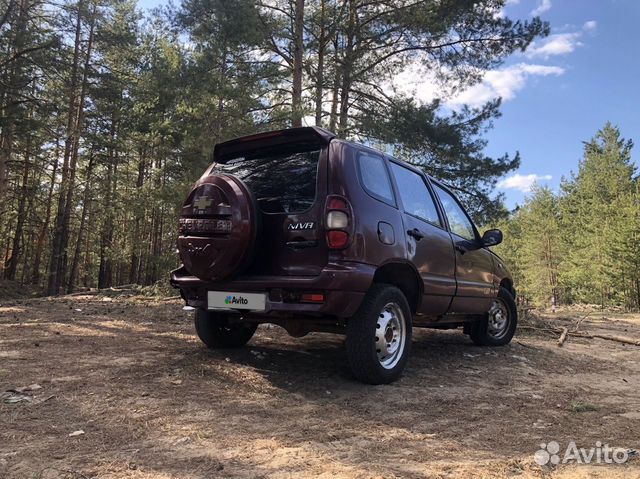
[
  {"x": 213, "y": 330},
  {"x": 219, "y": 227},
  {"x": 365, "y": 331},
  {"x": 498, "y": 328}
]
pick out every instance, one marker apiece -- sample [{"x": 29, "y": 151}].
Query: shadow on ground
[{"x": 153, "y": 402}]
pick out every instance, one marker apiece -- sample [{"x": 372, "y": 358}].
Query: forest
[
  {"x": 109, "y": 113},
  {"x": 581, "y": 245}
]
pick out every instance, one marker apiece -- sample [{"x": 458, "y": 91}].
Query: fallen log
[
  {"x": 156, "y": 298},
  {"x": 83, "y": 293},
  {"x": 608, "y": 337},
  {"x": 563, "y": 337},
  {"x": 171, "y": 298},
  {"x": 577, "y": 325}
]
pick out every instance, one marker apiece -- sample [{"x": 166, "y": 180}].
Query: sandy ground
[{"x": 152, "y": 402}]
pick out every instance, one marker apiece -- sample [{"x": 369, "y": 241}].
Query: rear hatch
[{"x": 285, "y": 173}]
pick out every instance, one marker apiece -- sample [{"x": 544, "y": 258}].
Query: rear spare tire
[{"x": 218, "y": 228}]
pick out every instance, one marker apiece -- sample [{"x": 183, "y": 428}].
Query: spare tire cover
[{"x": 218, "y": 227}]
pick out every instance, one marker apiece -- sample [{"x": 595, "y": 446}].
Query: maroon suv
[{"x": 314, "y": 233}]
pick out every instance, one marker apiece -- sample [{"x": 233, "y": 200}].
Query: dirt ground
[{"x": 152, "y": 402}]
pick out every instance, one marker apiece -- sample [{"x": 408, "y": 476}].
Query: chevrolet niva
[{"x": 313, "y": 233}]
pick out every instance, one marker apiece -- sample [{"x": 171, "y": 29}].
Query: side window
[
  {"x": 415, "y": 194},
  {"x": 374, "y": 177},
  {"x": 459, "y": 222}
]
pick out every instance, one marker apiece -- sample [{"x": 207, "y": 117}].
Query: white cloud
[
  {"x": 504, "y": 83},
  {"x": 522, "y": 183},
  {"x": 543, "y": 7},
  {"x": 417, "y": 82},
  {"x": 556, "y": 44},
  {"x": 559, "y": 43}
]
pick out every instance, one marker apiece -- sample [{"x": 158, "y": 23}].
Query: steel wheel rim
[
  {"x": 498, "y": 321},
  {"x": 391, "y": 335}
]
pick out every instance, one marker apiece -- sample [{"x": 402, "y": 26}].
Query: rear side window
[
  {"x": 283, "y": 182},
  {"x": 415, "y": 195},
  {"x": 459, "y": 222},
  {"x": 374, "y": 177}
]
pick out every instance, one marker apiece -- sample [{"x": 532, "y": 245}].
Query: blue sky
[
  {"x": 550, "y": 116},
  {"x": 561, "y": 91}
]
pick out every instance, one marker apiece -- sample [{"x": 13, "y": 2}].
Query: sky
[
  {"x": 559, "y": 92},
  {"x": 587, "y": 72}
]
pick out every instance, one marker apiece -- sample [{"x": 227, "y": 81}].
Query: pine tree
[
  {"x": 353, "y": 48},
  {"x": 533, "y": 248},
  {"x": 106, "y": 118},
  {"x": 599, "y": 221}
]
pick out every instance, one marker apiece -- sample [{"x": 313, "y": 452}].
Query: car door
[
  {"x": 429, "y": 245},
  {"x": 474, "y": 263}
]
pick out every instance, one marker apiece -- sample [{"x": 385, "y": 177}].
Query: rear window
[
  {"x": 415, "y": 195},
  {"x": 283, "y": 182},
  {"x": 374, "y": 177}
]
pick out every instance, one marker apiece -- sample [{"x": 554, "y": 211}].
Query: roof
[{"x": 306, "y": 134}]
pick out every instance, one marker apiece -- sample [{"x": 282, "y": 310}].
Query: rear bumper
[{"x": 344, "y": 285}]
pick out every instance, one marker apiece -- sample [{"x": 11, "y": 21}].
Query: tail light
[{"x": 339, "y": 224}]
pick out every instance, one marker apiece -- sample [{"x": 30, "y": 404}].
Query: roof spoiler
[{"x": 309, "y": 135}]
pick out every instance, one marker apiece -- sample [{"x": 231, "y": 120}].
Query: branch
[
  {"x": 17, "y": 55},
  {"x": 414, "y": 48},
  {"x": 277, "y": 9}
]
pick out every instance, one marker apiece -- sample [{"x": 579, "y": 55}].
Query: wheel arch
[
  {"x": 507, "y": 283},
  {"x": 405, "y": 277}
]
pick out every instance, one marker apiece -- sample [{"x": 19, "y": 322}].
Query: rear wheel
[
  {"x": 500, "y": 324},
  {"x": 216, "y": 332},
  {"x": 379, "y": 336}
]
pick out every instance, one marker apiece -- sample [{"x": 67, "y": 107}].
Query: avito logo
[{"x": 235, "y": 300}]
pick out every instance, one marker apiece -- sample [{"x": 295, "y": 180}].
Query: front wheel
[
  {"x": 217, "y": 332},
  {"x": 498, "y": 328},
  {"x": 379, "y": 335}
]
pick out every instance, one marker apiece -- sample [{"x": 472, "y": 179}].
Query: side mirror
[{"x": 491, "y": 237}]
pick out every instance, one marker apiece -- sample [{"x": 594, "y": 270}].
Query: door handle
[
  {"x": 460, "y": 249},
  {"x": 416, "y": 234}
]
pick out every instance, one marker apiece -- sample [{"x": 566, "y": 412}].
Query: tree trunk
[
  {"x": 105, "y": 275},
  {"x": 8, "y": 107},
  {"x": 74, "y": 153},
  {"x": 6, "y": 148},
  {"x": 87, "y": 278},
  {"x": 83, "y": 220},
  {"x": 42, "y": 235},
  {"x": 10, "y": 272},
  {"x": 335, "y": 94},
  {"x": 322, "y": 44},
  {"x": 135, "y": 257},
  {"x": 347, "y": 70},
  {"x": 298, "y": 51},
  {"x": 55, "y": 267}
]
